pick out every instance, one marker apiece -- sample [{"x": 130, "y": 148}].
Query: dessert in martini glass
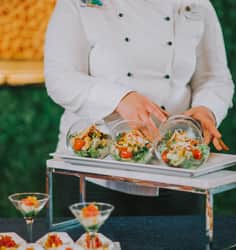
[
  {"x": 29, "y": 204},
  {"x": 92, "y": 216}
]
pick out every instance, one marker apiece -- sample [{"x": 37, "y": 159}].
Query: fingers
[
  {"x": 151, "y": 131},
  {"x": 209, "y": 129},
  {"x": 204, "y": 116},
  {"x": 220, "y": 145},
  {"x": 167, "y": 114},
  {"x": 223, "y": 145},
  {"x": 189, "y": 112},
  {"x": 142, "y": 129},
  {"x": 157, "y": 112},
  {"x": 147, "y": 133},
  {"x": 208, "y": 123},
  {"x": 207, "y": 136},
  {"x": 217, "y": 144},
  {"x": 154, "y": 130}
]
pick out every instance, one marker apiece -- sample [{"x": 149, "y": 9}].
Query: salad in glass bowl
[
  {"x": 87, "y": 140},
  {"x": 181, "y": 143},
  {"x": 131, "y": 142}
]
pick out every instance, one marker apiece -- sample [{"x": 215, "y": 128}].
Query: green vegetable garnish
[{"x": 177, "y": 149}]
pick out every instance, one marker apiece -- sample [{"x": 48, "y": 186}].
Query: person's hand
[
  {"x": 135, "y": 106},
  {"x": 208, "y": 123}
]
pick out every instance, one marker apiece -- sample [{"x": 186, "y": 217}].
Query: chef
[{"x": 138, "y": 60}]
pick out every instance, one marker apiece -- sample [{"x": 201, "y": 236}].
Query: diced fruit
[
  {"x": 52, "y": 241},
  {"x": 6, "y": 241},
  {"x": 98, "y": 243},
  {"x": 29, "y": 248},
  {"x": 197, "y": 154},
  {"x": 125, "y": 154},
  {"x": 30, "y": 201},
  {"x": 93, "y": 242},
  {"x": 90, "y": 211},
  {"x": 164, "y": 156},
  {"x": 78, "y": 144}
]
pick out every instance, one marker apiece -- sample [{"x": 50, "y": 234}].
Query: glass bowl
[
  {"x": 92, "y": 216},
  {"x": 131, "y": 142},
  {"x": 181, "y": 144},
  {"x": 89, "y": 139},
  {"x": 101, "y": 242},
  {"x": 89, "y": 218},
  {"x": 29, "y": 204}
]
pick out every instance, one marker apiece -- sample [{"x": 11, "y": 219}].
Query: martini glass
[
  {"x": 29, "y": 204},
  {"x": 91, "y": 216}
]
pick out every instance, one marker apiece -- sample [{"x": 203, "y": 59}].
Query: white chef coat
[{"x": 171, "y": 51}]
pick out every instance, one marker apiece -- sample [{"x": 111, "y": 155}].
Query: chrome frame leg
[
  {"x": 64, "y": 225},
  {"x": 82, "y": 188},
  {"x": 209, "y": 220},
  {"x": 49, "y": 191}
]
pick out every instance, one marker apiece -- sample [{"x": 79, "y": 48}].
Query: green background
[{"x": 29, "y": 126}]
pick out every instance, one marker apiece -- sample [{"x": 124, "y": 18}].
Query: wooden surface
[{"x": 21, "y": 72}]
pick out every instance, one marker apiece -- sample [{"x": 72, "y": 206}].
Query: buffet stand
[{"x": 209, "y": 180}]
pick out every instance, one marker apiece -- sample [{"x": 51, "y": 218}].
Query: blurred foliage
[
  {"x": 28, "y": 132},
  {"x": 29, "y": 123},
  {"x": 226, "y": 202}
]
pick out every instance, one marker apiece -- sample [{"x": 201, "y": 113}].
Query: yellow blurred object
[
  {"x": 21, "y": 72},
  {"x": 2, "y": 78},
  {"x": 23, "y": 25}
]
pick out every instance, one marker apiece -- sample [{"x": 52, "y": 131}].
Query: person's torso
[{"x": 147, "y": 45}]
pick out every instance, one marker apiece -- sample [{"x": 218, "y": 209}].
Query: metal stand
[
  {"x": 209, "y": 220},
  {"x": 215, "y": 183},
  {"x": 82, "y": 190},
  {"x": 49, "y": 189}
]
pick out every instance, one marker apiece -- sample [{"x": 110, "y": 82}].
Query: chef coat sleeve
[
  {"x": 67, "y": 66},
  {"x": 212, "y": 83}
]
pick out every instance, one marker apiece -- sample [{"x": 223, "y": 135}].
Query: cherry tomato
[
  {"x": 164, "y": 156},
  {"x": 197, "y": 154},
  {"x": 124, "y": 153},
  {"x": 78, "y": 144}
]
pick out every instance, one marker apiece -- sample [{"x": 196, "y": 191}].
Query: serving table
[
  {"x": 145, "y": 232},
  {"x": 209, "y": 184}
]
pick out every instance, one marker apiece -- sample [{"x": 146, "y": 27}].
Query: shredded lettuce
[{"x": 179, "y": 150}]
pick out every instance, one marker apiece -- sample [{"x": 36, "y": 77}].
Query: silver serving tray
[{"x": 216, "y": 162}]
